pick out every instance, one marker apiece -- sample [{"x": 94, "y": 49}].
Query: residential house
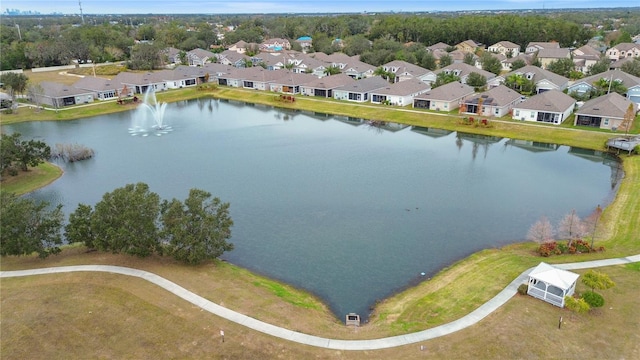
[
  {"x": 547, "y": 56},
  {"x": 185, "y": 76},
  {"x": 604, "y": 112},
  {"x": 536, "y": 46},
  {"x": 506, "y": 48},
  {"x": 544, "y": 80},
  {"x": 501, "y": 58},
  {"x": 443, "y": 98},
  {"x": 240, "y": 47},
  {"x": 217, "y": 71},
  {"x": 60, "y": 95},
  {"x": 258, "y": 78},
  {"x": 275, "y": 44},
  {"x": 140, "y": 82},
  {"x": 469, "y": 46},
  {"x": 438, "y": 46},
  {"x": 101, "y": 88},
  {"x": 291, "y": 82},
  {"x": 404, "y": 70},
  {"x": 305, "y": 42},
  {"x": 360, "y": 90},
  {"x": 585, "y": 57},
  {"x": 400, "y": 93},
  {"x": 588, "y": 84},
  {"x": 172, "y": 55},
  {"x": 457, "y": 56},
  {"x": 324, "y": 86},
  {"x": 233, "y": 58},
  {"x": 199, "y": 57},
  {"x": 507, "y": 65},
  {"x": 617, "y": 65},
  {"x": 497, "y": 102},
  {"x": 463, "y": 71},
  {"x": 624, "y": 50},
  {"x": 551, "y": 107},
  {"x": 358, "y": 69}
]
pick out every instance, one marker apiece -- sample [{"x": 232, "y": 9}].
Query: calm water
[{"x": 345, "y": 210}]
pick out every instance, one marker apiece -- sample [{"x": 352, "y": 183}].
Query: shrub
[
  {"x": 522, "y": 289},
  {"x": 593, "y": 299}
]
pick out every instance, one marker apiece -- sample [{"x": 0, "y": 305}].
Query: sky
[{"x": 290, "y": 6}]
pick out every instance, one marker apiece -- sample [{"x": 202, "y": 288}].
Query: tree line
[
  {"x": 27, "y": 42},
  {"x": 130, "y": 220}
]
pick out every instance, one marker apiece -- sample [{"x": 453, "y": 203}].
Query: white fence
[{"x": 19, "y": 71}]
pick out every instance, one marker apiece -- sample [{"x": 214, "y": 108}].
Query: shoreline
[{"x": 411, "y": 286}]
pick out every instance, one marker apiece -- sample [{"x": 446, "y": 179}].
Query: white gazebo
[{"x": 551, "y": 284}]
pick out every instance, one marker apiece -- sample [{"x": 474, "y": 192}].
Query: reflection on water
[{"x": 329, "y": 205}]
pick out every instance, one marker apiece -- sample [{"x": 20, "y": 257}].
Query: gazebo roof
[{"x": 562, "y": 279}]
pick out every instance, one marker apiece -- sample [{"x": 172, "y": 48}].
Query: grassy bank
[
  {"x": 112, "y": 316},
  {"x": 27, "y": 181},
  {"x": 452, "y": 293}
]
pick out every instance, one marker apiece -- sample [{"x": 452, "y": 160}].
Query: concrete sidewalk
[{"x": 374, "y": 344}]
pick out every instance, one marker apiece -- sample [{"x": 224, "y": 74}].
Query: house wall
[
  {"x": 580, "y": 88},
  {"x": 633, "y": 94},
  {"x": 344, "y": 95},
  {"x": 532, "y": 115},
  {"x": 442, "y": 105}
]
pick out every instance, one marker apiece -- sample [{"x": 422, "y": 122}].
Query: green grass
[{"x": 28, "y": 181}]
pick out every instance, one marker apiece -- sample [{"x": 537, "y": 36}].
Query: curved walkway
[{"x": 374, "y": 344}]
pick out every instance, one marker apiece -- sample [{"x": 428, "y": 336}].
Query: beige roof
[
  {"x": 447, "y": 92},
  {"x": 548, "y": 101},
  {"x": 365, "y": 85}
]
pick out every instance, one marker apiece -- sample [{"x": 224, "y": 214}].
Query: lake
[{"x": 348, "y": 210}]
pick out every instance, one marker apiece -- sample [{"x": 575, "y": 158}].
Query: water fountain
[{"x": 149, "y": 117}]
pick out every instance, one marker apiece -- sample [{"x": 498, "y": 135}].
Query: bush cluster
[
  {"x": 557, "y": 248},
  {"x": 522, "y": 289},
  {"x": 593, "y": 299}
]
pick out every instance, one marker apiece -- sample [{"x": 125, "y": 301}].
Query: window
[{"x": 606, "y": 121}]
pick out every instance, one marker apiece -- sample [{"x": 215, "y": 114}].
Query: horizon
[{"x": 122, "y": 7}]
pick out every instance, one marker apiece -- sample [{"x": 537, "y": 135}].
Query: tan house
[
  {"x": 624, "y": 50},
  {"x": 506, "y": 48},
  {"x": 469, "y": 46},
  {"x": 547, "y": 56}
]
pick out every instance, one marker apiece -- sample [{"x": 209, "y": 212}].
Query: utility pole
[{"x": 81, "y": 15}]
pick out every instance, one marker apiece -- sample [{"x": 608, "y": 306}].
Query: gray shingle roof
[
  {"x": 403, "y": 88},
  {"x": 448, "y": 92},
  {"x": 540, "y": 74},
  {"x": 365, "y": 85},
  {"x": 612, "y": 105},
  {"x": 549, "y": 101},
  {"x": 498, "y": 96}
]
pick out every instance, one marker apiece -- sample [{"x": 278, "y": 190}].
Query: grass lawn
[
  {"x": 27, "y": 181},
  {"x": 113, "y": 316}
]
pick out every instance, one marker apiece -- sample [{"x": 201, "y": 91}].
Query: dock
[{"x": 624, "y": 143}]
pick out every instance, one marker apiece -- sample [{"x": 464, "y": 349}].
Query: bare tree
[
  {"x": 592, "y": 223},
  {"x": 571, "y": 227},
  {"x": 542, "y": 231}
]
